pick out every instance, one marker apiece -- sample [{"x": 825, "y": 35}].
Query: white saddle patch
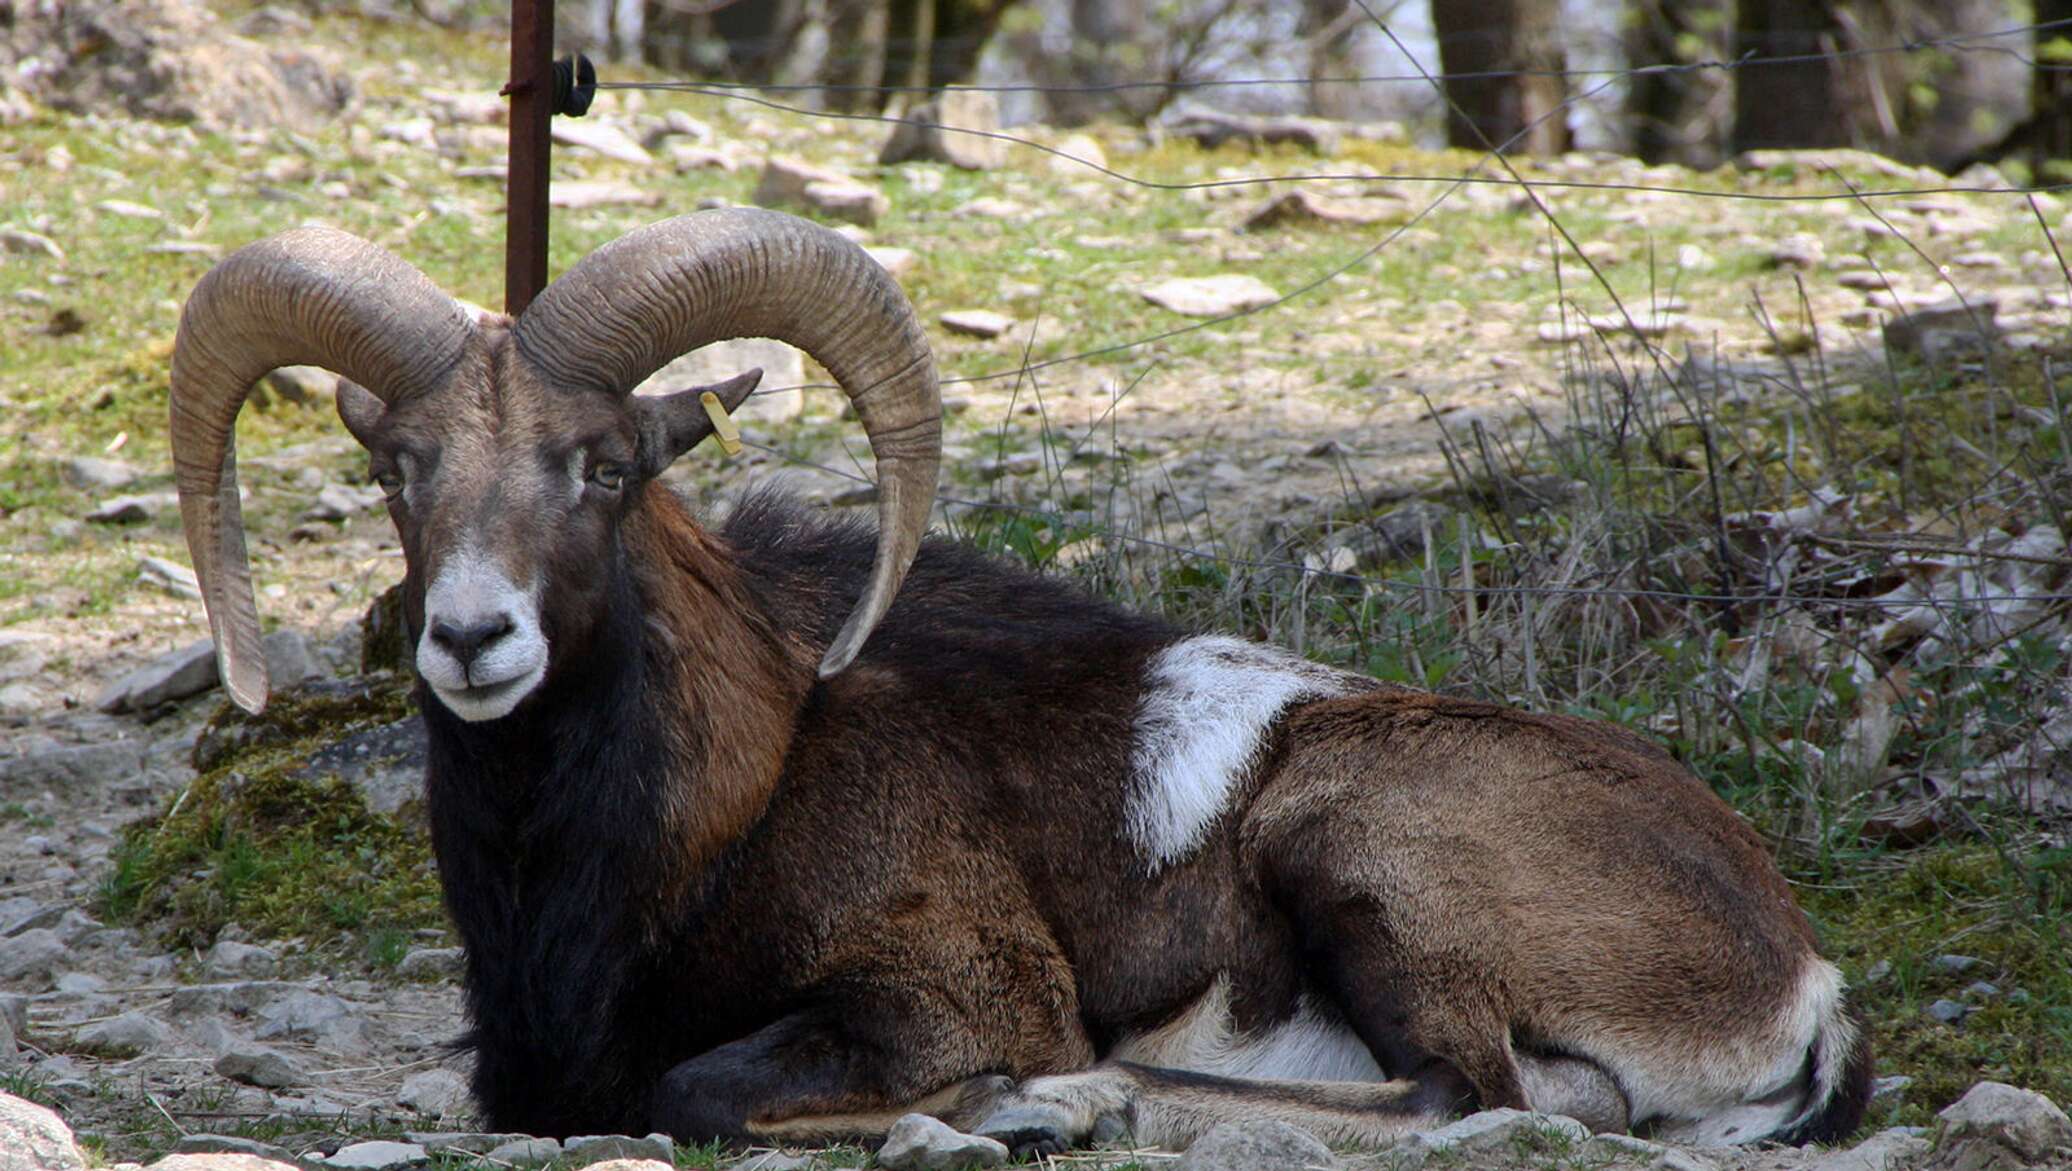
[{"x": 1201, "y": 721}]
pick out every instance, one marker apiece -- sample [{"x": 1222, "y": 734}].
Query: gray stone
[
  {"x": 895, "y": 261},
  {"x": 1798, "y": 250},
  {"x": 586, "y": 1149},
  {"x": 1886, "y": 1150},
  {"x": 288, "y": 658},
  {"x": 1625, "y": 1150},
  {"x": 171, "y": 677},
  {"x": 570, "y": 193},
  {"x": 10, "y": 1054},
  {"x": 1212, "y": 128},
  {"x": 1078, "y": 156},
  {"x": 601, "y": 138},
  {"x": 1210, "y": 296},
  {"x": 23, "y": 242},
  {"x": 258, "y": 1066},
  {"x": 229, "y": 1144},
  {"x": 93, "y": 474},
  {"x": 31, "y": 960},
  {"x": 385, "y": 763},
  {"x": 1887, "y": 1086},
  {"x": 127, "y": 1035},
  {"x": 431, "y": 963},
  {"x": 438, "y": 1092},
  {"x": 129, "y": 510},
  {"x": 302, "y": 385},
  {"x": 34, "y": 1139},
  {"x": 231, "y": 960},
  {"x": 976, "y": 322},
  {"x": 525, "y": 1150},
  {"x": 1949, "y": 1012},
  {"x": 1494, "y": 1130},
  {"x": 219, "y": 1161},
  {"x": 919, "y": 1143},
  {"x": 312, "y": 1016},
  {"x": 1999, "y": 1126},
  {"x": 374, "y": 1156},
  {"x": 959, "y": 127},
  {"x": 852, "y": 202},
  {"x": 1396, "y": 535},
  {"x": 94, "y": 764},
  {"x": 170, "y": 576},
  {"x": 1934, "y": 333},
  {"x": 341, "y": 501},
  {"x": 462, "y": 1141},
  {"x": 240, "y": 998},
  {"x": 14, "y": 1013},
  {"x": 1258, "y": 1145},
  {"x": 1982, "y": 990}
]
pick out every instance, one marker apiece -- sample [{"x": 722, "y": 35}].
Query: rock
[
  {"x": 385, "y": 763},
  {"x": 576, "y": 194},
  {"x": 1259, "y": 1145},
  {"x": 1818, "y": 161},
  {"x": 1934, "y": 333},
  {"x": 920, "y": 1143},
  {"x": 431, "y": 963},
  {"x": 1883, "y": 1151},
  {"x": 31, "y": 959},
  {"x": 779, "y": 397},
  {"x": 587, "y": 1149},
  {"x": 10, "y": 1053},
  {"x": 976, "y": 322},
  {"x": 1623, "y": 1150},
  {"x": 462, "y": 1142},
  {"x": 374, "y": 1156},
  {"x": 1210, "y": 296},
  {"x": 127, "y": 1035},
  {"x": 1997, "y": 1126},
  {"x": 1887, "y": 1086},
  {"x": 1798, "y": 250},
  {"x": 958, "y": 127},
  {"x": 341, "y": 501},
  {"x": 129, "y": 510},
  {"x": 1982, "y": 990},
  {"x": 81, "y": 764},
  {"x": 302, "y": 385},
  {"x": 91, "y": 473},
  {"x": 170, "y": 576},
  {"x": 258, "y": 1066},
  {"x": 1212, "y": 128},
  {"x": 220, "y": 1161},
  {"x": 34, "y": 1139},
  {"x": 775, "y": 1161},
  {"x": 14, "y": 1014},
  {"x": 229, "y": 1144},
  {"x": 1495, "y": 1130},
  {"x": 1396, "y": 535},
  {"x": 1076, "y": 156},
  {"x": 788, "y": 182},
  {"x": 238, "y": 999},
  {"x": 525, "y": 1150},
  {"x": 23, "y": 242},
  {"x": 1949, "y": 1012},
  {"x": 601, "y": 138},
  {"x": 1301, "y": 207},
  {"x": 171, "y": 677},
  {"x": 438, "y": 1092},
  {"x": 896, "y": 261},
  {"x": 231, "y": 960},
  {"x": 312, "y": 1016}
]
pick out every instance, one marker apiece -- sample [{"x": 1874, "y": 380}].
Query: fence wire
[{"x": 1450, "y": 183}]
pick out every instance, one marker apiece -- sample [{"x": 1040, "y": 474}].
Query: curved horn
[
  {"x": 311, "y": 296},
  {"x": 655, "y": 293}
]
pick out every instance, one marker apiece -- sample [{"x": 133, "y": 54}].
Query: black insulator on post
[{"x": 575, "y": 85}]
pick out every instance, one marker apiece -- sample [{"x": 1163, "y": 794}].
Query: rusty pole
[{"x": 531, "y": 90}]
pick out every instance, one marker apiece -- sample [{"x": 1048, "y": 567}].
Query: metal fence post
[{"x": 531, "y": 90}]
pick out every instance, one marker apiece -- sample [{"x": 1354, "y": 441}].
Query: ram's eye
[
  {"x": 391, "y": 482},
  {"x": 610, "y": 477}
]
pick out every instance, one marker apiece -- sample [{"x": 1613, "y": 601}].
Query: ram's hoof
[{"x": 1029, "y": 1129}]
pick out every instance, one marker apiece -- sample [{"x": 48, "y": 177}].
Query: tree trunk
[
  {"x": 1796, "y": 103},
  {"x": 2051, "y": 94},
  {"x": 1680, "y": 117},
  {"x": 856, "y": 53},
  {"x": 1521, "y": 112}
]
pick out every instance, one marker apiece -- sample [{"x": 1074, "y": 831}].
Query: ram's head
[{"x": 512, "y": 450}]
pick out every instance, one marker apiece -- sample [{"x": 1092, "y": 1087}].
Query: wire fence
[{"x": 1496, "y": 169}]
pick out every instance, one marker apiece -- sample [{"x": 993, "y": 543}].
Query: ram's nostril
[{"x": 466, "y": 642}]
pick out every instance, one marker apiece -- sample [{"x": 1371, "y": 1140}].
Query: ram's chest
[{"x": 1204, "y": 716}]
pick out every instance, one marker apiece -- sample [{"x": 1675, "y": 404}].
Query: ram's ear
[
  {"x": 359, "y": 409},
  {"x": 671, "y": 424}
]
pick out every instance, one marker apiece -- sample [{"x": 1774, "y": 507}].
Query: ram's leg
[
  {"x": 804, "y": 1081},
  {"x": 1171, "y": 1108}
]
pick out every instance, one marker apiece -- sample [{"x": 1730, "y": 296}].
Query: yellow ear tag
[{"x": 722, "y": 423}]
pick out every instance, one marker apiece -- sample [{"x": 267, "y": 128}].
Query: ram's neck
[{"x": 724, "y": 682}]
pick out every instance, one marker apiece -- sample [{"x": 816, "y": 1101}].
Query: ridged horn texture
[
  {"x": 637, "y": 303},
  {"x": 311, "y": 296}
]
